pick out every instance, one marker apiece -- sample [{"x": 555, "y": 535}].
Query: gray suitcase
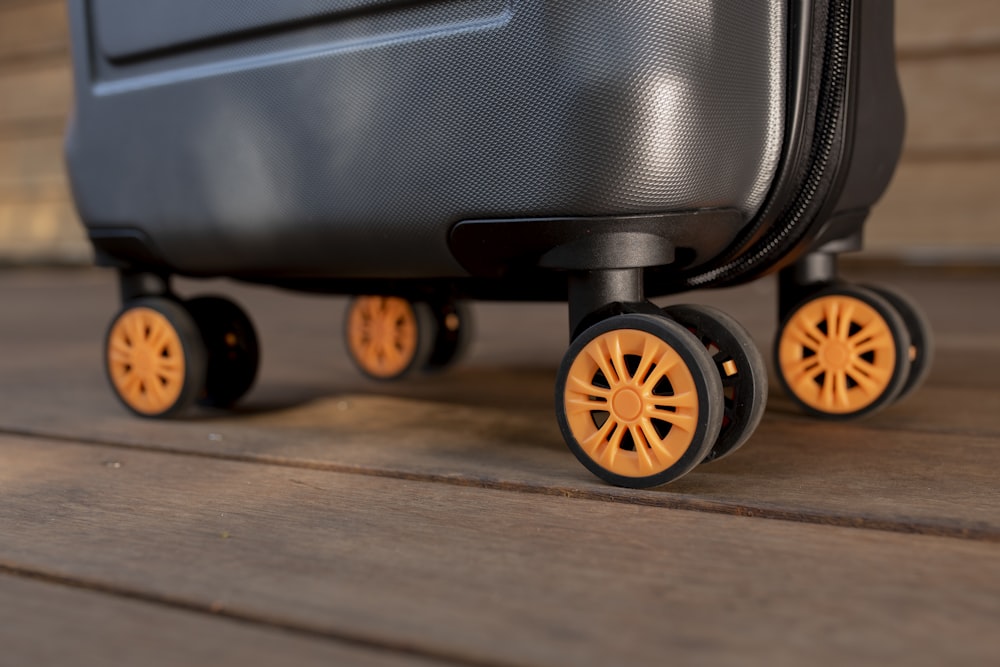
[{"x": 422, "y": 153}]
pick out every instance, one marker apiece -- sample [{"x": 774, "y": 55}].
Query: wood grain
[
  {"x": 42, "y": 227},
  {"x": 31, "y": 167},
  {"x": 33, "y": 30},
  {"x": 951, "y": 103},
  {"x": 489, "y": 423},
  {"x": 36, "y": 95},
  {"x": 937, "y": 207},
  {"x": 927, "y": 28},
  {"x": 52, "y": 624},
  {"x": 484, "y": 575}
]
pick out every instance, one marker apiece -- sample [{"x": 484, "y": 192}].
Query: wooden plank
[
  {"x": 492, "y": 576},
  {"x": 35, "y": 95},
  {"x": 42, "y": 229},
  {"x": 35, "y": 30},
  {"x": 793, "y": 468},
  {"x": 951, "y": 102},
  {"x": 57, "y": 625},
  {"x": 939, "y": 207},
  {"x": 31, "y": 167},
  {"x": 931, "y": 27}
]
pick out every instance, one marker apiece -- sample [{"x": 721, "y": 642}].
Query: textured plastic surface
[
  {"x": 350, "y": 146},
  {"x": 130, "y": 28}
]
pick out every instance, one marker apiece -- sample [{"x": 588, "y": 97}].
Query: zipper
[{"x": 833, "y": 91}]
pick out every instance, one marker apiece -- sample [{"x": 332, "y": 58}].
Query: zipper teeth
[{"x": 837, "y": 58}]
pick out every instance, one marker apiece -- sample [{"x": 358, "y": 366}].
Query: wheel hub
[
  {"x": 627, "y": 405},
  {"x": 835, "y": 355}
]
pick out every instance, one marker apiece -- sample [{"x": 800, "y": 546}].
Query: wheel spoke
[
  {"x": 803, "y": 370},
  {"x": 119, "y": 355},
  {"x": 586, "y": 388},
  {"x": 826, "y": 392},
  {"x": 664, "y": 364},
  {"x": 593, "y": 441},
  {"x": 393, "y": 311},
  {"x": 832, "y": 312},
  {"x": 370, "y": 350},
  {"x": 651, "y": 350},
  {"x": 154, "y": 388},
  {"x": 805, "y": 333},
  {"x": 171, "y": 374},
  {"x": 641, "y": 448},
  {"x": 871, "y": 379},
  {"x": 134, "y": 328},
  {"x": 390, "y": 354},
  {"x": 877, "y": 342},
  {"x": 874, "y": 372},
  {"x": 685, "y": 399},
  {"x": 844, "y": 327},
  {"x": 129, "y": 382},
  {"x": 599, "y": 354},
  {"x": 867, "y": 385},
  {"x": 618, "y": 359},
  {"x": 840, "y": 388},
  {"x": 158, "y": 337},
  {"x": 870, "y": 330},
  {"x": 658, "y": 448},
  {"x": 681, "y": 420},
  {"x": 610, "y": 453},
  {"x": 119, "y": 345},
  {"x": 575, "y": 406}
]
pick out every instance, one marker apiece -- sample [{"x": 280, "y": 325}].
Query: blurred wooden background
[{"x": 943, "y": 205}]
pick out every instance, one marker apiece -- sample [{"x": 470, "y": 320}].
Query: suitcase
[{"x": 423, "y": 153}]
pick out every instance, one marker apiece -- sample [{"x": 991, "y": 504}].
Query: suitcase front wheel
[
  {"x": 638, "y": 400},
  {"x": 843, "y": 353},
  {"x": 739, "y": 365},
  {"x": 155, "y": 357}
]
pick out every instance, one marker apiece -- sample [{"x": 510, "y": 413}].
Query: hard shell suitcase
[{"x": 425, "y": 152}]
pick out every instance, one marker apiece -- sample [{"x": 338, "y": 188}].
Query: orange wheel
[
  {"x": 639, "y": 400},
  {"x": 387, "y": 336},
  {"x": 154, "y": 357},
  {"x": 843, "y": 353}
]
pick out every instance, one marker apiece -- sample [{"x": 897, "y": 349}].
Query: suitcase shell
[{"x": 348, "y": 138}]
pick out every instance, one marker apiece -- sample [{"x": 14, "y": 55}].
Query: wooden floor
[{"x": 333, "y": 520}]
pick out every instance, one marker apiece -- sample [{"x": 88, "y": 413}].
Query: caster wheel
[
  {"x": 154, "y": 357},
  {"x": 843, "y": 353},
  {"x": 638, "y": 400},
  {"x": 453, "y": 333},
  {"x": 921, "y": 352},
  {"x": 389, "y": 337},
  {"x": 739, "y": 365},
  {"x": 231, "y": 344}
]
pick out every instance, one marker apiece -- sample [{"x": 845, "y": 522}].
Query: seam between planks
[
  {"x": 947, "y": 50},
  {"x": 924, "y": 527},
  {"x": 261, "y": 620}
]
